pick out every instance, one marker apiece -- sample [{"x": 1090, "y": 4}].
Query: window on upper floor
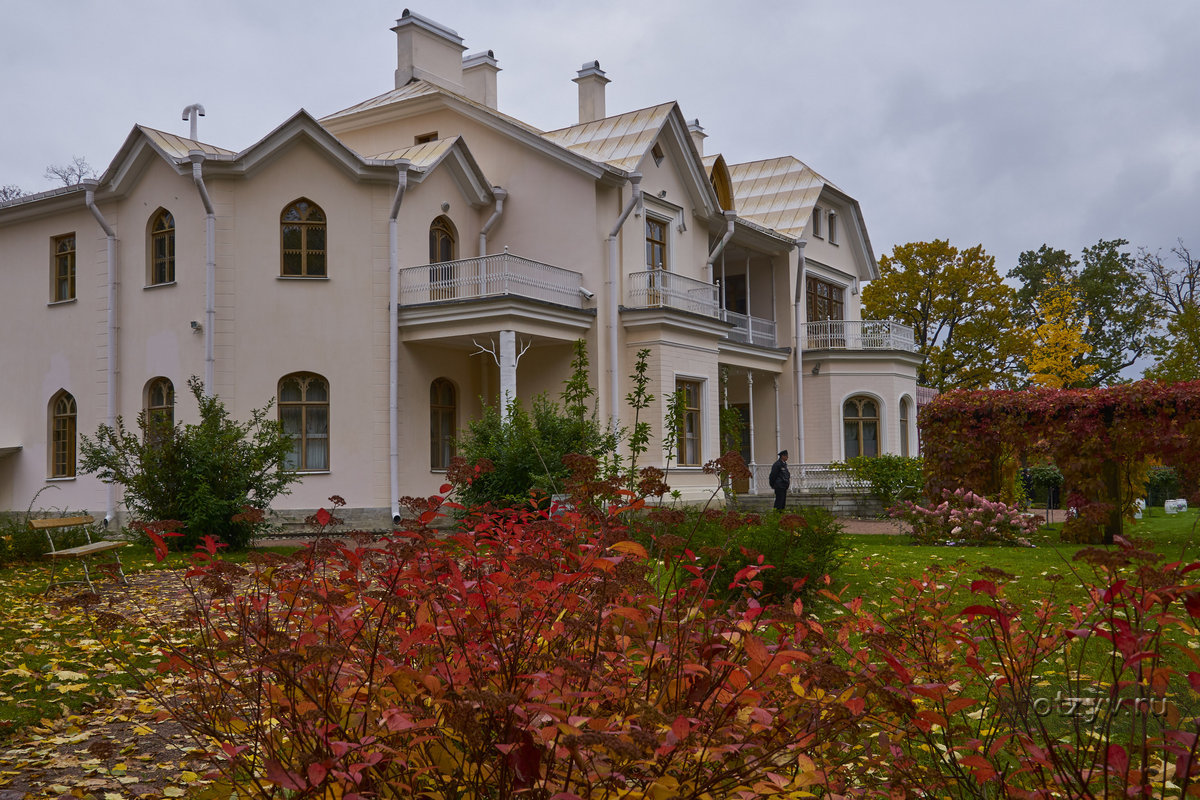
[
  {"x": 425, "y": 138},
  {"x": 443, "y": 409},
  {"x": 303, "y": 240},
  {"x": 689, "y": 448},
  {"x": 62, "y": 435},
  {"x": 162, "y": 248},
  {"x": 304, "y": 414},
  {"x": 656, "y": 243},
  {"x": 825, "y": 300},
  {"x": 860, "y": 420},
  {"x": 160, "y": 405},
  {"x": 656, "y": 152},
  {"x": 831, "y": 226},
  {"x": 443, "y": 247},
  {"x": 816, "y": 223},
  {"x": 62, "y": 268}
]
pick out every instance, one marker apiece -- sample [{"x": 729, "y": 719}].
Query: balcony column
[
  {"x": 750, "y": 433},
  {"x": 778, "y": 440},
  {"x": 749, "y": 316},
  {"x": 508, "y": 371}
]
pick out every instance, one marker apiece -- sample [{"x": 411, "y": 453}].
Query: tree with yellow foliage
[{"x": 1059, "y": 346}]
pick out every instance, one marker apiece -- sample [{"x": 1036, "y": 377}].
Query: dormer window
[
  {"x": 816, "y": 223},
  {"x": 425, "y": 138}
]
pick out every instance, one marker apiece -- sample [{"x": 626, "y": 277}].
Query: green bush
[
  {"x": 217, "y": 477},
  {"x": 797, "y": 548},
  {"x": 891, "y": 478}
]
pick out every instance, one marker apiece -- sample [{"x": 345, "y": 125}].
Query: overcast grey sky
[{"x": 1009, "y": 124}]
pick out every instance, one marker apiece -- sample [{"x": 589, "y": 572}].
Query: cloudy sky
[{"x": 1009, "y": 124}]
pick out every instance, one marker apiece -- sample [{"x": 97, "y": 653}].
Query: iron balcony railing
[
  {"x": 497, "y": 275},
  {"x": 867, "y": 334},
  {"x": 750, "y": 330},
  {"x": 658, "y": 288}
]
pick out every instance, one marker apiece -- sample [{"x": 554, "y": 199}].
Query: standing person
[{"x": 780, "y": 479}]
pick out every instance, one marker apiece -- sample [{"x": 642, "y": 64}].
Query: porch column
[
  {"x": 778, "y": 440},
  {"x": 750, "y": 433},
  {"x": 508, "y": 371}
]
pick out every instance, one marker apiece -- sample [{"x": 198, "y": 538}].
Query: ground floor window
[
  {"x": 443, "y": 409},
  {"x": 860, "y": 417},
  {"x": 905, "y": 415},
  {"x": 689, "y": 429},
  {"x": 304, "y": 414},
  {"x": 62, "y": 436}
]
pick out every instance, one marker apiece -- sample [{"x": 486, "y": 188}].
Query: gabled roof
[
  {"x": 777, "y": 193},
  {"x": 620, "y": 141}
]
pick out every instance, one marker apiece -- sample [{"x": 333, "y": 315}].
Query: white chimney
[
  {"x": 479, "y": 77},
  {"x": 698, "y": 135},
  {"x": 426, "y": 50},
  {"x": 591, "y": 82}
]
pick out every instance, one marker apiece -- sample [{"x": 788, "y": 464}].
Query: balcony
[
  {"x": 658, "y": 288},
  {"x": 500, "y": 275},
  {"x": 868, "y": 334},
  {"x": 750, "y": 330}
]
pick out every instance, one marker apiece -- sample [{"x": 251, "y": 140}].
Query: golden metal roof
[
  {"x": 421, "y": 155},
  {"x": 620, "y": 141},
  {"x": 778, "y": 193},
  {"x": 179, "y": 146}
]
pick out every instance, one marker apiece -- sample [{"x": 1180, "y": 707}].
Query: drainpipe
[
  {"x": 730, "y": 216},
  {"x": 210, "y": 269},
  {"x": 393, "y": 340},
  {"x": 499, "y": 194},
  {"x": 610, "y": 286},
  {"x": 797, "y": 355},
  {"x": 110, "y": 344}
]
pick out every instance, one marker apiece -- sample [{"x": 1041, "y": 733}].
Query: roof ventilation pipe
[
  {"x": 393, "y": 342},
  {"x": 189, "y": 115},
  {"x": 610, "y": 293},
  {"x": 730, "y": 216},
  {"x": 210, "y": 269},
  {"x": 499, "y": 194},
  {"x": 110, "y": 344}
]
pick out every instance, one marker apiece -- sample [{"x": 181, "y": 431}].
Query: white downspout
[
  {"x": 610, "y": 286},
  {"x": 500, "y": 195},
  {"x": 393, "y": 340},
  {"x": 797, "y": 356},
  {"x": 210, "y": 269},
  {"x": 110, "y": 345},
  {"x": 730, "y": 216}
]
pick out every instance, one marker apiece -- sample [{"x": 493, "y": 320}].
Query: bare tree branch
[{"x": 77, "y": 171}]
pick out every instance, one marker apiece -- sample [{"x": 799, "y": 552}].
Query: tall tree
[
  {"x": 1058, "y": 356},
  {"x": 1114, "y": 306},
  {"x": 10, "y": 191},
  {"x": 1177, "y": 353},
  {"x": 76, "y": 171},
  {"x": 1175, "y": 286},
  {"x": 960, "y": 311}
]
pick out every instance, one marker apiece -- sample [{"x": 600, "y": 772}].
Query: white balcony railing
[
  {"x": 811, "y": 478},
  {"x": 867, "y": 334},
  {"x": 498, "y": 275},
  {"x": 750, "y": 330},
  {"x": 658, "y": 288}
]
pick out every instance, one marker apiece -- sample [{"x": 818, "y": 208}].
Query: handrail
[
  {"x": 866, "y": 334},
  {"x": 498, "y": 275},
  {"x": 658, "y": 288}
]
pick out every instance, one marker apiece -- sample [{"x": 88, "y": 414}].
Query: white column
[
  {"x": 508, "y": 371},
  {"x": 750, "y": 434},
  {"x": 778, "y": 440}
]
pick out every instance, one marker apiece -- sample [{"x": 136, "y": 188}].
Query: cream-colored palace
[{"x": 382, "y": 271}]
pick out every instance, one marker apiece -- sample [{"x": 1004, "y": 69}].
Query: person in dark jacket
[{"x": 780, "y": 479}]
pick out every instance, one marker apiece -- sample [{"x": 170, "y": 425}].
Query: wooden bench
[{"x": 83, "y": 552}]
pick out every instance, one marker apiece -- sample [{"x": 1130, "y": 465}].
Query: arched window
[
  {"x": 160, "y": 403},
  {"x": 442, "y": 247},
  {"x": 905, "y": 416},
  {"x": 302, "y": 231},
  {"x": 304, "y": 414},
  {"x": 443, "y": 409},
  {"x": 162, "y": 248},
  {"x": 860, "y": 418},
  {"x": 62, "y": 435}
]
